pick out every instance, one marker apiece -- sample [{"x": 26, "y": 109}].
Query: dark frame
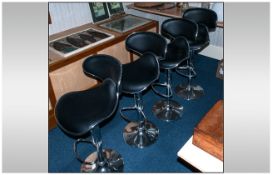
[
  {"x": 97, "y": 18},
  {"x": 116, "y": 10}
]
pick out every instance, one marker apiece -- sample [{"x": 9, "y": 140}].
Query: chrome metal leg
[
  {"x": 103, "y": 160},
  {"x": 189, "y": 91},
  {"x": 143, "y": 132},
  {"x": 168, "y": 109}
]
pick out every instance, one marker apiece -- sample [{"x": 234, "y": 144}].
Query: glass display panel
[
  {"x": 77, "y": 42},
  {"x": 125, "y": 23}
]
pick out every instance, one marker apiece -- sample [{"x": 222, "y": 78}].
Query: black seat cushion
[
  {"x": 103, "y": 66},
  {"x": 169, "y": 55},
  {"x": 202, "y": 40},
  {"x": 177, "y": 52},
  {"x": 175, "y": 27},
  {"x": 138, "y": 75},
  {"x": 77, "y": 112},
  {"x": 197, "y": 35},
  {"x": 142, "y": 42}
]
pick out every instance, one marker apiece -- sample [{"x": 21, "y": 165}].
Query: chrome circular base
[
  {"x": 167, "y": 111},
  {"x": 140, "y": 137},
  {"x": 189, "y": 92},
  {"x": 113, "y": 163}
]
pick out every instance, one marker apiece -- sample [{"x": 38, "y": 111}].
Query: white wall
[{"x": 68, "y": 15}]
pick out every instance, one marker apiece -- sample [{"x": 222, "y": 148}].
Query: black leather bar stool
[
  {"x": 206, "y": 20},
  {"x": 176, "y": 27},
  {"x": 138, "y": 76},
  {"x": 170, "y": 56},
  {"x": 79, "y": 113}
]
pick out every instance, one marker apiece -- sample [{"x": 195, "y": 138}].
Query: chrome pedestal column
[
  {"x": 167, "y": 109},
  {"x": 101, "y": 161},
  {"x": 188, "y": 91},
  {"x": 141, "y": 133}
]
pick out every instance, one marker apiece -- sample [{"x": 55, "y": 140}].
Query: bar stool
[
  {"x": 138, "y": 76},
  {"x": 206, "y": 20},
  {"x": 170, "y": 56},
  {"x": 177, "y": 27},
  {"x": 80, "y": 113}
]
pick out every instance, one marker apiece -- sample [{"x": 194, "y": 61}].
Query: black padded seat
[
  {"x": 177, "y": 51},
  {"x": 175, "y": 27},
  {"x": 138, "y": 75},
  {"x": 103, "y": 66},
  {"x": 201, "y": 41},
  {"x": 153, "y": 42},
  {"x": 78, "y": 112},
  {"x": 196, "y": 35},
  {"x": 204, "y": 16}
]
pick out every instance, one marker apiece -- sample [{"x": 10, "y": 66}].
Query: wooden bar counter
[
  {"x": 167, "y": 9},
  {"x": 66, "y": 74}
]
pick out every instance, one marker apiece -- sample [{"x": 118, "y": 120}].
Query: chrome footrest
[
  {"x": 127, "y": 109},
  {"x": 186, "y": 74},
  {"x": 75, "y": 148},
  {"x": 131, "y": 108},
  {"x": 159, "y": 93}
]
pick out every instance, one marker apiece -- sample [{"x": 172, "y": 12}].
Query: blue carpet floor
[{"x": 160, "y": 157}]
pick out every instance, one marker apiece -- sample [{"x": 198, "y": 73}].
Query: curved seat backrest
[
  {"x": 202, "y": 16},
  {"x": 103, "y": 66},
  {"x": 142, "y": 42},
  {"x": 180, "y": 46},
  {"x": 175, "y": 27}
]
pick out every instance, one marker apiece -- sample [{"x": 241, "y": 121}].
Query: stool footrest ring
[
  {"x": 164, "y": 85},
  {"x": 179, "y": 71},
  {"x": 76, "y": 150}
]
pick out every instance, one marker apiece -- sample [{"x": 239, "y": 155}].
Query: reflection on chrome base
[
  {"x": 189, "y": 91},
  {"x": 168, "y": 110},
  {"x": 140, "y": 134},
  {"x": 113, "y": 162}
]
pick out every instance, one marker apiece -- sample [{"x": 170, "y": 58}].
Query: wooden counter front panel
[
  {"x": 70, "y": 78},
  {"x": 118, "y": 51}
]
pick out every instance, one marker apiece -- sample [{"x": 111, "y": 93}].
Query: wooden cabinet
[
  {"x": 118, "y": 51},
  {"x": 70, "y": 78},
  {"x": 66, "y": 74}
]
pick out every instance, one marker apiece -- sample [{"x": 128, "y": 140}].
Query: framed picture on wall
[
  {"x": 99, "y": 11},
  {"x": 115, "y": 7}
]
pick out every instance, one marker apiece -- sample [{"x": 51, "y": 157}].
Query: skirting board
[{"x": 213, "y": 52}]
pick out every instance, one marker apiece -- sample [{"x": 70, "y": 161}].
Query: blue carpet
[{"x": 160, "y": 157}]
